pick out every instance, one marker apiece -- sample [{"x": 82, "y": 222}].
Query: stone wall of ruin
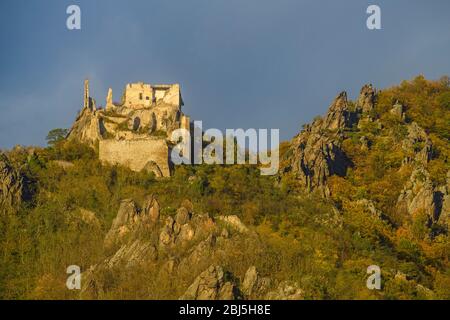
[
  {"x": 136, "y": 154},
  {"x": 138, "y": 94}
]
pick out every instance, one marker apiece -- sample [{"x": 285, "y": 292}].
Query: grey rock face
[
  {"x": 202, "y": 252},
  {"x": 339, "y": 115},
  {"x": 419, "y": 194},
  {"x": 131, "y": 219},
  {"x": 87, "y": 127},
  {"x": 123, "y": 223},
  {"x": 253, "y": 284},
  {"x": 316, "y": 152},
  {"x": 417, "y": 145},
  {"x": 210, "y": 285},
  {"x": 137, "y": 252},
  {"x": 185, "y": 227},
  {"x": 367, "y": 98},
  {"x": 11, "y": 185},
  {"x": 315, "y": 158}
]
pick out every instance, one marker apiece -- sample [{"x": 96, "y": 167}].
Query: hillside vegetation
[{"x": 389, "y": 207}]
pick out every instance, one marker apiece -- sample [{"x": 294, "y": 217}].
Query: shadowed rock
[{"x": 11, "y": 185}]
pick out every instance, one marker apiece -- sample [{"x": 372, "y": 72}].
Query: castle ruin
[{"x": 136, "y": 131}]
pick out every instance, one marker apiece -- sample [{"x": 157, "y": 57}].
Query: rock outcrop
[
  {"x": 135, "y": 253},
  {"x": 141, "y": 237},
  {"x": 417, "y": 146},
  {"x": 419, "y": 195},
  {"x": 131, "y": 219},
  {"x": 11, "y": 185},
  {"x": 367, "y": 98},
  {"x": 184, "y": 227},
  {"x": 316, "y": 152},
  {"x": 211, "y": 285},
  {"x": 253, "y": 284},
  {"x": 87, "y": 127}
]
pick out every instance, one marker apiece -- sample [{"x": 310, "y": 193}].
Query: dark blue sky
[{"x": 241, "y": 63}]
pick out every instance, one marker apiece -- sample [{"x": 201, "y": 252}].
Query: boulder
[
  {"x": 151, "y": 209},
  {"x": 87, "y": 128},
  {"x": 253, "y": 284},
  {"x": 167, "y": 235},
  {"x": 123, "y": 222}
]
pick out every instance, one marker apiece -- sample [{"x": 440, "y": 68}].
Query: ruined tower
[
  {"x": 88, "y": 102},
  {"x": 109, "y": 102},
  {"x": 136, "y": 132},
  {"x": 86, "y": 94}
]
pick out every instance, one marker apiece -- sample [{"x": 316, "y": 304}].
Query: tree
[{"x": 56, "y": 135}]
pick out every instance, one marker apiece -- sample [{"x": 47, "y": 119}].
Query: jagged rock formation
[
  {"x": 367, "y": 98},
  {"x": 135, "y": 132},
  {"x": 255, "y": 285},
  {"x": 417, "y": 145},
  {"x": 184, "y": 228},
  {"x": 123, "y": 223},
  {"x": 211, "y": 285},
  {"x": 419, "y": 195},
  {"x": 11, "y": 185},
  {"x": 316, "y": 151},
  {"x": 142, "y": 237}
]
